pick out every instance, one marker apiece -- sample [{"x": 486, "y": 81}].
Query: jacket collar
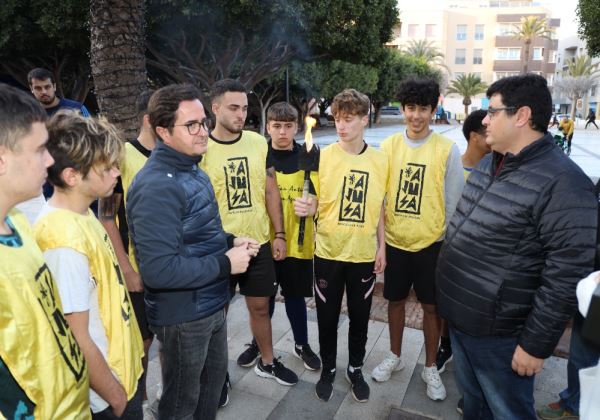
[
  {"x": 530, "y": 152},
  {"x": 172, "y": 157}
]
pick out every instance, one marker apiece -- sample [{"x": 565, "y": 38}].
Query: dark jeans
[
  {"x": 581, "y": 355},
  {"x": 492, "y": 390},
  {"x": 194, "y": 364},
  {"x": 133, "y": 410}
]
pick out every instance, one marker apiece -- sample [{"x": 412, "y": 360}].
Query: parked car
[{"x": 389, "y": 110}]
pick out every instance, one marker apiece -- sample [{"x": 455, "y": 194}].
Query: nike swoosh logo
[{"x": 367, "y": 279}]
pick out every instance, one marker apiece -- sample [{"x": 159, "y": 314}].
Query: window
[
  {"x": 505, "y": 29},
  {"x": 553, "y": 57},
  {"x": 479, "y": 32},
  {"x": 538, "y": 53},
  {"x": 458, "y": 74},
  {"x": 502, "y": 74},
  {"x": 508, "y": 53},
  {"x": 412, "y": 30},
  {"x": 460, "y": 57},
  {"x": 430, "y": 31},
  {"x": 477, "y": 74},
  {"x": 461, "y": 32},
  {"x": 477, "y": 56}
]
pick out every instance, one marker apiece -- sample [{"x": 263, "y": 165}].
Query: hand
[
  {"x": 279, "y": 249},
  {"x": 119, "y": 402},
  {"x": 525, "y": 364},
  {"x": 133, "y": 280},
  {"x": 305, "y": 207},
  {"x": 249, "y": 243},
  {"x": 239, "y": 258},
  {"x": 380, "y": 261}
]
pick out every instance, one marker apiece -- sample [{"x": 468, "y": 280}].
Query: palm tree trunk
[
  {"x": 118, "y": 60},
  {"x": 526, "y": 57}
]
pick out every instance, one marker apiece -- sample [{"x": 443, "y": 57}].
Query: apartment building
[{"x": 474, "y": 36}]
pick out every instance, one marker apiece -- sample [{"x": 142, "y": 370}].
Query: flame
[{"x": 310, "y": 122}]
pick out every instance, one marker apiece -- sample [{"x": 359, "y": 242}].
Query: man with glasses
[
  {"x": 185, "y": 257},
  {"x": 522, "y": 236}
]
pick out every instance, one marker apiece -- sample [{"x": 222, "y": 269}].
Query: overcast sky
[{"x": 565, "y": 10}]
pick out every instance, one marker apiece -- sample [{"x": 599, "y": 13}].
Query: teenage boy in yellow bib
[
  {"x": 43, "y": 373},
  {"x": 426, "y": 180},
  {"x": 249, "y": 202},
  {"x": 350, "y": 249},
  {"x": 80, "y": 255},
  {"x": 295, "y": 273}
]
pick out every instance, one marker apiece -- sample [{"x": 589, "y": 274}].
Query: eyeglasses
[
  {"x": 194, "y": 127},
  {"x": 491, "y": 111}
]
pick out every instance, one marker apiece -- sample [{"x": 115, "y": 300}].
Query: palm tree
[
  {"x": 581, "y": 75},
  {"x": 118, "y": 60},
  {"x": 467, "y": 85},
  {"x": 531, "y": 27},
  {"x": 426, "y": 50}
]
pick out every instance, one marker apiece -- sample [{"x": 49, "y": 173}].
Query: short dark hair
[
  {"x": 529, "y": 90},
  {"x": 164, "y": 103},
  {"x": 79, "y": 142},
  {"x": 221, "y": 87},
  {"x": 350, "y": 101},
  {"x": 141, "y": 103},
  {"x": 40, "y": 74},
  {"x": 419, "y": 92},
  {"x": 18, "y": 112},
  {"x": 282, "y": 111},
  {"x": 473, "y": 123}
]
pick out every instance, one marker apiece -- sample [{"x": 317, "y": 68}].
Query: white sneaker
[
  {"x": 435, "y": 387},
  {"x": 390, "y": 364}
]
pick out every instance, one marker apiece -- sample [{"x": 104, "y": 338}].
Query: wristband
[{"x": 279, "y": 237}]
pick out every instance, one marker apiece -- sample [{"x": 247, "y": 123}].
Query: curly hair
[
  {"x": 419, "y": 92},
  {"x": 81, "y": 143}
]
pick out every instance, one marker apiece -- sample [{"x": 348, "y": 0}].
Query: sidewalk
[{"x": 402, "y": 397}]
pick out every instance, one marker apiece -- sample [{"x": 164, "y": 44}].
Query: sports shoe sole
[
  {"x": 322, "y": 399},
  {"x": 305, "y": 365},
  {"x": 352, "y": 390},
  {"x": 225, "y": 403},
  {"x": 443, "y": 368},
  {"x": 431, "y": 397},
  {"x": 396, "y": 369},
  {"x": 264, "y": 374},
  {"x": 252, "y": 363}
]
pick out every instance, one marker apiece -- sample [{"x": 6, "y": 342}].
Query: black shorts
[
  {"x": 259, "y": 280},
  {"x": 407, "y": 269},
  {"x": 295, "y": 276},
  {"x": 139, "y": 308}
]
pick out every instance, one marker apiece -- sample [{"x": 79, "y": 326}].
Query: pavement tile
[
  {"x": 302, "y": 403},
  {"x": 243, "y": 405}
]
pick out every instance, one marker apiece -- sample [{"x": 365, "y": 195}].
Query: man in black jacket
[
  {"x": 523, "y": 234},
  {"x": 185, "y": 257}
]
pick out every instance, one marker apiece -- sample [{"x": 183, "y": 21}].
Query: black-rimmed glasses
[
  {"x": 492, "y": 111},
  {"x": 194, "y": 127}
]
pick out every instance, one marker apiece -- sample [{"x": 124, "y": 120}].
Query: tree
[
  {"x": 531, "y": 27},
  {"x": 425, "y": 49},
  {"x": 118, "y": 59},
  {"x": 255, "y": 40},
  {"x": 578, "y": 79},
  {"x": 47, "y": 33},
  {"x": 588, "y": 14},
  {"x": 467, "y": 85},
  {"x": 393, "y": 70}
]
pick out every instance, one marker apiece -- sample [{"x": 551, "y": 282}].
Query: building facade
[{"x": 475, "y": 37}]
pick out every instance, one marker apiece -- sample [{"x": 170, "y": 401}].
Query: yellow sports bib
[
  {"x": 290, "y": 188},
  {"x": 36, "y": 343},
  {"x": 352, "y": 189},
  {"x": 132, "y": 163},
  {"x": 415, "y": 210},
  {"x": 237, "y": 171},
  {"x": 85, "y": 234}
]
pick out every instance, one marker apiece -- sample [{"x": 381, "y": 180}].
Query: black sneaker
[
  {"x": 250, "y": 355},
  {"x": 276, "y": 371},
  {"x": 360, "y": 389},
  {"x": 324, "y": 387},
  {"x": 225, "y": 392},
  {"x": 444, "y": 355},
  {"x": 310, "y": 359},
  {"x": 460, "y": 406}
]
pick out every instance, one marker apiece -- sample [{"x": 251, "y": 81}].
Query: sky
[{"x": 565, "y": 10}]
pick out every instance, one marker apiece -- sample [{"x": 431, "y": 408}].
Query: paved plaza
[{"x": 403, "y": 396}]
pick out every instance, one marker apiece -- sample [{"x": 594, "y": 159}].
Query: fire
[{"x": 310, "y": 122}]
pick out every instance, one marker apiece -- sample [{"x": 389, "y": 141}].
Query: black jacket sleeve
[{"x": 566, "y": 217}]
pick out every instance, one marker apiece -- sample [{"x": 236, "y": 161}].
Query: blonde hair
[{"x": 81, "y": 143}]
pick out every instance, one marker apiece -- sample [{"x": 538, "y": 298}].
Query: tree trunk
[
  {"x": 377, "y": 115},
  {"x": 118, "y": 60},
  {"x": 526, "y": 57},
  {"x": 573, "y": 107}
]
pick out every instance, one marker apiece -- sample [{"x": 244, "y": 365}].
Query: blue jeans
[
  {"x": 194, "y": 365},
  {"x": 492, "y": 390},
  {"x": 581, "y": 356}
]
